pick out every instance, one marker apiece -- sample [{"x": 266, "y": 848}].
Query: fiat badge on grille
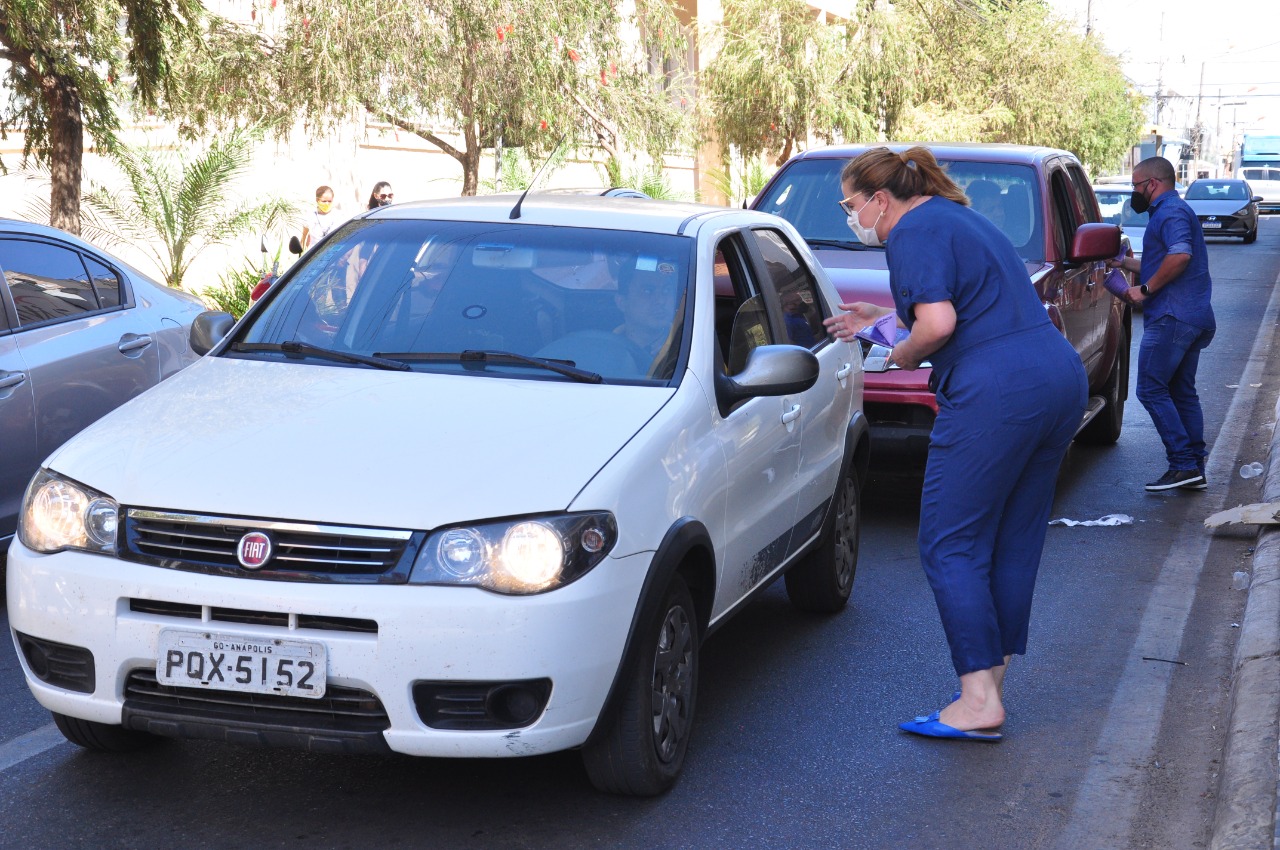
[{"x": 254, "y": 550}]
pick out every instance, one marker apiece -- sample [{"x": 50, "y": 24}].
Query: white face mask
[{"x": 866, "y": 235}]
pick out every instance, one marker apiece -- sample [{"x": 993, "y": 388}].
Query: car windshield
[
  {"x": 484, "y": 299},
  {"x": 808, "y": 191},
  {"x": 1217, "y": 190},
  {"x": 1116, "y": 209}
]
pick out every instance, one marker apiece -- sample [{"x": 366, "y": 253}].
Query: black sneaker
[
  {"x": 1202, "y": 484},
  {"x": 1175, "y": 478}
]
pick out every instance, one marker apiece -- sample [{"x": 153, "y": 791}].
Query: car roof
[
  {"x": 564, "y": 210},
  {"x": 1218, "y": 180},
  {"x": 31, "y": 228},
  {"x": 974, "y": 151},
  {"x": 1111, "y": 187}
]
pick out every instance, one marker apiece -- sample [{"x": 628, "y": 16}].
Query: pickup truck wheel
[
  {"x": 641, "y": 755},
  {"x": 101, "y": 737},
  {"x": 1104, "y": 429},
  {"x": 822, "y": 581}
]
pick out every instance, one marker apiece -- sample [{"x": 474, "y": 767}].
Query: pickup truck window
[{"x": 806, "y": 193}]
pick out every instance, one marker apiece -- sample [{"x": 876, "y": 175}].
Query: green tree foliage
[
  {"x": 521, "y": 71},
  {"x": 943, "y": 70},
  {"x": 67, "y": 61},
  {"x": 779, "y": 77},
  {"x": 176, "y": 207}
]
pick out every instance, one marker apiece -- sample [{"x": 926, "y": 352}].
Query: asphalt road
[{"x": 1116, "y": 715}]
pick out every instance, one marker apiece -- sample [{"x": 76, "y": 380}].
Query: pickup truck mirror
[{"x": 1095, "y": 242}]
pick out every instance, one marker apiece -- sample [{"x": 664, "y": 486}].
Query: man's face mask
[
  {"x": 324, "y": 206},
  {"x": 1138, "y": 200}
]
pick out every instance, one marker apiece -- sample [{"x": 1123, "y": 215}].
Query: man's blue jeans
[{"x": 1167, "y": 362}]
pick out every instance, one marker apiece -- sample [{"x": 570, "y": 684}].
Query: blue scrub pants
[
  {"x": 1168, "y": 357},
  {"x": 1007, "y": 412}
]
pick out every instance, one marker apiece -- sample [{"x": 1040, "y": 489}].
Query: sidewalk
[{"x": 1245, "y": 815}]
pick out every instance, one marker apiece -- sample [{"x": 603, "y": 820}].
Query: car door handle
[
  {"x": 133, "y": 342},
  {"x": 843, "y": 372},
  {"x": 9, "y": 380},
  {"x": 791, "y": 415}
]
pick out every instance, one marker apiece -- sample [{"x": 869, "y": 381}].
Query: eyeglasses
[
  {"x": 386, "y": 197},
  {"x": 1137, "y": 186},
  {"x": 848, "y": 208}
]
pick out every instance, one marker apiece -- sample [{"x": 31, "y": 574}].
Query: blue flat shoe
[{"x": 931, "y": 727}]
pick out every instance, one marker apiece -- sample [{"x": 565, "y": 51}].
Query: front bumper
[
  {"x": 573, "y": 637},
  {"x": 1226, "y": 225}
]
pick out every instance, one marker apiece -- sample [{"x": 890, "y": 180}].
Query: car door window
[
  {"x": 795, "y": 287},
  {"x": 742, "y": 323},
  {"x": 106, "y": 284},
  {"x": 1083, "y": 194},
  {"x": 48, "y": 282},
  {"x": 1064, "y": 211}
]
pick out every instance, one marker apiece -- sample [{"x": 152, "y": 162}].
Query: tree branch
[
  {"x": 610, "y": 147},
  {"x": 417, "y": 130}
]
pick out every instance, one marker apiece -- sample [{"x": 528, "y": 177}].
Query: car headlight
[
  {"x": 58, "y": 513},
  {"x": 526, "y": 555},
  {"x": 1245, "y": 210}
]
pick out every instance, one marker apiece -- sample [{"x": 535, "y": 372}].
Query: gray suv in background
[{"x": 80, "y": 334}]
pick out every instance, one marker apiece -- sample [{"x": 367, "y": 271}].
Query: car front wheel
[
  {"x": 1251, "y": 236},
  {"x": 822, "y": 581},
  {"x": 101, "y": 737},
  {"x": 641, "y": 754}
]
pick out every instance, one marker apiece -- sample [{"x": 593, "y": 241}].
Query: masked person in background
[
  {"x": 322, "y": 219},
  {"x": 381, "y": 195},
  {"x": 1011, "y": 392},
  {"x": 1177, "y": 321}
]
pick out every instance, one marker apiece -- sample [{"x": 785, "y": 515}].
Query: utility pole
[{"x": 1088, "y": 18}]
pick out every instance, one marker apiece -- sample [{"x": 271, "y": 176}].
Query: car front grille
[
  {"x": 300, "y": 551},
  {"x": 343, "y": 720},
  {"x": 188, "y": 611}
]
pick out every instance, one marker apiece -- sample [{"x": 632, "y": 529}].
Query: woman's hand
[{"x": 859, "y": 315}]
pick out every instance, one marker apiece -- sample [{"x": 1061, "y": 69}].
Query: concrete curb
[{"x": 1245, "y": 815}]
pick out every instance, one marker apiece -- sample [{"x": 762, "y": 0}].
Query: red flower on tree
[
  {"x": 573, "y": 55},
  {"x": 542, "y": 125}
]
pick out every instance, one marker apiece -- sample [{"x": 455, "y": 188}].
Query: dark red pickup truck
[{"x": 1040, "y": 198}]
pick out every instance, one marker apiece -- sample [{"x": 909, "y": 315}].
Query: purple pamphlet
[
  {"x": 1115, "y": 281},
  {"x": 884, "y": 331}
]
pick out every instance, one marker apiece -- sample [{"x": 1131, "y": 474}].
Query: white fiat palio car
[{"x": 475, "y": 479}]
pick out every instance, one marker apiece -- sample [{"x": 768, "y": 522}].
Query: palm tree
[{"x": 176, "y": 207}]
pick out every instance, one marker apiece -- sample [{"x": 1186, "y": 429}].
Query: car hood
[
  {"x": 355, "y": 446},
  {"x": 864, "y": 275},
  {"x": 1216, "y": 207}
]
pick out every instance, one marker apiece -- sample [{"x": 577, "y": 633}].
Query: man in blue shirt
[{"x": 1177, "y": 321}]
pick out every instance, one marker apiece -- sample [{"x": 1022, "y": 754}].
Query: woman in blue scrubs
[{"x": 1011, "y": 392}]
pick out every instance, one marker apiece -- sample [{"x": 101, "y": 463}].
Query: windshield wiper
[
  {"x": 474, "y": 358},
  {"x": 293, "y": 346},
  {"x": 837, "y": 243}
]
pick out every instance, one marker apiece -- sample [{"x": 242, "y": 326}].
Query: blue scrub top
[
  {"x": 1174, "y": 228},
  {"x": 943, "y": 251}
]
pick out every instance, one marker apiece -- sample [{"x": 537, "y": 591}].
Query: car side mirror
[
  {"x": 770, "y": 370},
  {"x": 295, "y": 246},
  {"x": 1095, "y": 242},
  {"x": 208, "y": 329},
  {"x": 1257, "y": 199}
]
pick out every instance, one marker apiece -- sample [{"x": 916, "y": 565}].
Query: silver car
[
  {"x": 1225, "y": 208},
  {"x": 80, "y": 334},
  {"x": 1113, "y": 202}
]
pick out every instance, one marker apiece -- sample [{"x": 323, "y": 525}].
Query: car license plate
[
  {"x": 255, "y": 665},
  {"x": 1212, "y": 225}
]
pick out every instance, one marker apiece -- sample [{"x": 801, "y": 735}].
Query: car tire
[
  {"x": 1251, "y": 236},
  {"x": 642, "y": 753},
  {"x": 101, "y": 737},
  {"x": 822, "y": 581},
  {"x": 1104, "y": 429}
]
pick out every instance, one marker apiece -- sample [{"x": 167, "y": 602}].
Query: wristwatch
[{"x": 1142, "y": 287}]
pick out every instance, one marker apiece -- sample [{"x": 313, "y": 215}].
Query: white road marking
[
  {"x": 31, "y": 744},
  {"x": 1108, "y": 797}
]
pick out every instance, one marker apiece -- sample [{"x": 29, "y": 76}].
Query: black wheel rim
[
  {"x": 672, "y": 683},
  {"x": 846, "y": 535}
]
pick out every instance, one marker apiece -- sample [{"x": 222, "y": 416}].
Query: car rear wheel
[
  {"x": 641, "y": 754},
  {"x": 101, "y": 737},
  {"x": 1104, "y": 429},
  {"x": 822, "y": 581}
]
